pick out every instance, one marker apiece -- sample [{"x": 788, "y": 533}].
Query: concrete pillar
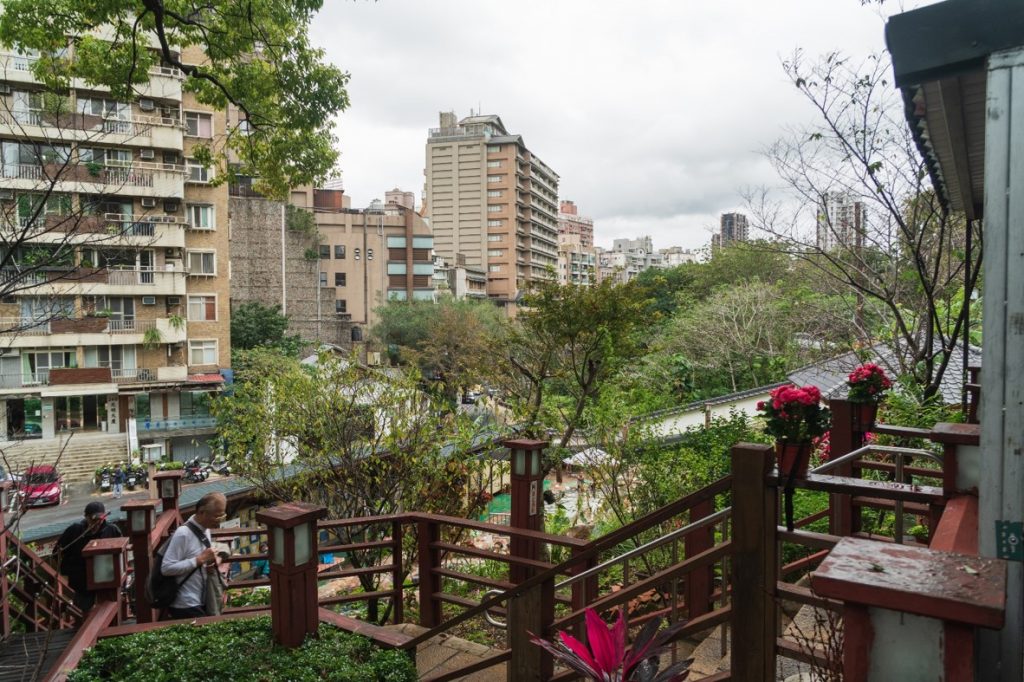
[
  {"x": 173, "y": 401},
  {"x": 49, "y": 418}
]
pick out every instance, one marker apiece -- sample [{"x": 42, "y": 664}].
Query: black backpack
[{"x": 161, "y": 590}]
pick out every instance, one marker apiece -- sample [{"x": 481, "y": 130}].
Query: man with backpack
[
  {"x": 71, "y": 543},
  {"x": 189, "y": 557}
]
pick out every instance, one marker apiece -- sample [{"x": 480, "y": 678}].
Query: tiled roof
[{"x": 205, "y": 378}]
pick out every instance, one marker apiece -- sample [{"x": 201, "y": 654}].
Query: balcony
[
  {"x": 25, "y": 379},
  {"x": 23, "y": 332},
  {"x": 164, "y": 81},
  {"x": 132, "y": 375},
  {"x": 141, "y": 178},
  {"x": 110, "y": 229},
  {"x": 138, "y": 130},
  {"x": 113, "y": 281}
]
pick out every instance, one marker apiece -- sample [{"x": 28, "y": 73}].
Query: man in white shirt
[{"x": 189, "y": 555}]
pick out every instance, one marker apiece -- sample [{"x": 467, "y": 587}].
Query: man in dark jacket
[{"x": 71, "y": 543}]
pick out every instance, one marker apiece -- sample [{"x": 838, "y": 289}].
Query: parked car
[{"x": 40, "y": 485}]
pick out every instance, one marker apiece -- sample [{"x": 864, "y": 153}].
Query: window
[
  {"x": 369, "y": 254},
  {"x": 202, "y": 262},
  {"x": 105, "y": 157},
  {"x": 494, "y": 192},
  {"x": 107, "y": 108},
  {"x": 357, "y": 253},
  {"x": 202, "y": 352},
  {"x": 494, "y": 164},
  {"x": 323, "y": 279},
  {"x": 340, "y": 306},
  {"x": 494, "y": 253},
  {"x": 493, "y": 268},
  {"x": 325, "y": 251},
  {"x": 494, "y": 208},
  {"x": 198, "y": 125},
  {"x": 339, "y": 279},
  {"x": 202, "y": 308},
  {"x": 495, "y": 223},
  {"x": 494, "y": 178},
  {"x": 493, "y": 148},
  {"x": 201, "y": 217},
  {"x": 339, "y": 251},
  {"x": 494, "y": 237},
  {"x": 196, "y": 172}
]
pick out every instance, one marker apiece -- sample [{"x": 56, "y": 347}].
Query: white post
[{"x": 1002, "y": 408}]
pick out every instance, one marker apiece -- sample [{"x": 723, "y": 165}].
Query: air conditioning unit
[
  {"x": 148, "y": 202},
  {"x": 171, "y": 207},
  {"x": 149, "y": 300},
  {"x": 5, "y": 88},
  {"x": 174, "y": 300},
  {"x": 6, "y": 195},
  {"x": 147, "y": 154},
  {"x": 147, "y": 104}
]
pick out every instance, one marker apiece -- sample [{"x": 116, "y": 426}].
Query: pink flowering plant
[
  {"x": 867, "y": 383},
  {"x": 794, "y": 414},
  {"x": 607, "y": 659}
]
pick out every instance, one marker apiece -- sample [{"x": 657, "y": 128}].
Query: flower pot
[
  {"x": 793, "y": 459},
  {"x": 863, "y": 416}
]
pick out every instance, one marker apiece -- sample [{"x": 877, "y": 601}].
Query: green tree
[
  {"x": 255, "y": 325},
  {"x": 567, "y": 343},
  {"x": 256, "y": 56},
  {"x": 360, "y": 442}
]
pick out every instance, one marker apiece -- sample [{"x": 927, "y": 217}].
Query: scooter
[
  {"x": 130, "y": 480},
  {"x": 194, "y": 472},
  {"x": 220, "y": 467},
  {"x": 105, "y": 480}
]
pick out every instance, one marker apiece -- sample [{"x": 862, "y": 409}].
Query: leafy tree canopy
[
  {"x": 257, "y": 57},
  {"x": 254, "y": 325}
]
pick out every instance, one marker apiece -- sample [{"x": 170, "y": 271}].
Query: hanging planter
[
  {"x": 863, "y": 416},
  {"x": 794, "y": 416},
  {"x": 793, "y": 459},
  {"x": 867, "y": 386}
]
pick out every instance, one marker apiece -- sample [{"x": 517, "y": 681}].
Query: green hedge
[{"x": 241, "y": 651}]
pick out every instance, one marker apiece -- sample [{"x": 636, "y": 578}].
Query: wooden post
[
  {"x": 583, "y": 591},
  {"x": 428, "y": 533},
  {"x": 140, "y": 521},
  {"x": 527, "y": 502},
  {"x": 844, "y": 518},
  {"x": 396, "y": 573},
  {"x": 699, "y": 583},
  {"x": 754, "y": 564},
  {"x": 292, "y": 535},
  {"x": 531, "y": 612}
]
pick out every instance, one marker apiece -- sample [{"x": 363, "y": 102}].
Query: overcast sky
[{"x": 653, "y": 112}]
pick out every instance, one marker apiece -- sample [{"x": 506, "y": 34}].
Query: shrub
[{"x": 243, "y": 651}]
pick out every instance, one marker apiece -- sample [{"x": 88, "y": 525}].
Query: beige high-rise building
[
  {"x": 571, "y": 222},
  {"x": 491, "y": 202},
  {"x": 577, "y": 263},
  {"x": 129, "y": 330}
]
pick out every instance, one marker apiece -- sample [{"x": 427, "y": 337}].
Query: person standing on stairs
[
  {"x": 189, "y": 554},
  {"x": 71, "y": 543}
]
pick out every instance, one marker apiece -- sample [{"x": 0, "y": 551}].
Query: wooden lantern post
[
  {"x": 5, "y": 587},
  {"x": 292, "y": 536},
  {"x": 527, "y": 511},
  {"x": 168, "y": 488},
  {"x": 141, "y": 516},
  {"x": 106, "y": 562}
]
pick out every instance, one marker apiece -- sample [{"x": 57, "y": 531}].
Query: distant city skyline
[{"x": 656, "y": 136}]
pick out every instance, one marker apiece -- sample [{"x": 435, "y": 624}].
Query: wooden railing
[{"x": 32, "y": 593}]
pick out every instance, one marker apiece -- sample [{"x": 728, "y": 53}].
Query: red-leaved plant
[
  {"x": 608, "y": 660},
  {"x": 867, "y": 383}
]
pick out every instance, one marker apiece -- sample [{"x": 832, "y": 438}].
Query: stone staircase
[
  {"x": 445, "y": 654},
  {"x": 76, "y": 456}
]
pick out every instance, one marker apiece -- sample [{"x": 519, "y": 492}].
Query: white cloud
[{"x": 653, "y": 112}]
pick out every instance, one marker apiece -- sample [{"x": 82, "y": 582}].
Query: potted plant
[
  {"x": 868, "y": 384},
  {"x": 605, "y": 656},
  {"x": 177, "y": 322},
  {"x": 152, "y": 338}
]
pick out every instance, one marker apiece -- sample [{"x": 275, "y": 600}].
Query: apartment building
[
  {"x": 458, "y": 280},
  {"x": 734, "y": 227},
  {"x": 627, "y": 259},
  {"x": 126, "y": 328},
  {"x": 491, "y": 201},
  {"x": 841, "y": 222},
  {"x": 571, "y": 222},
  {"x": 577, "y": 263},
  {"x": 674, "y": 256}
]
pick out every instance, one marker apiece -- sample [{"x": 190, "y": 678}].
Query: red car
[{"x": 40, "y": 485}]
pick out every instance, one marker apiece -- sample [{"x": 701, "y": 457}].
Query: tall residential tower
[{"x": 491, "y": 202}]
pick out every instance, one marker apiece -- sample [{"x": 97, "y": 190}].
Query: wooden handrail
[
  {"x": 885, "y": 490},
  {"x": 592, "y": 550},
  {"x": 101, "y": 616}
]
